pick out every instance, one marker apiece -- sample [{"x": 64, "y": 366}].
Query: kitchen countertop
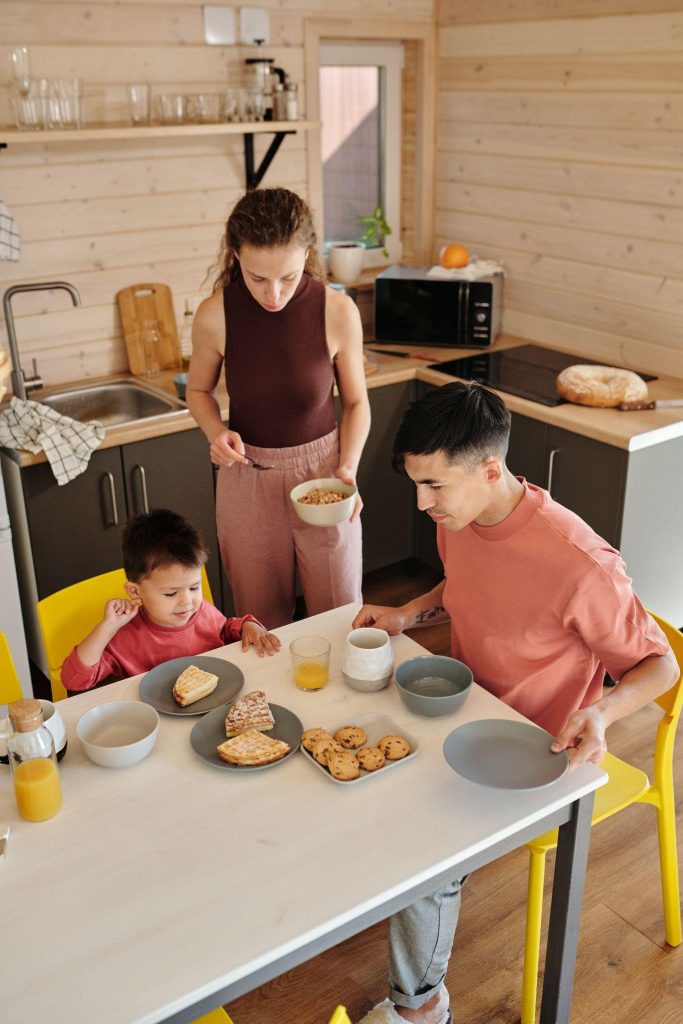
[{"x": 630, "y": 431}]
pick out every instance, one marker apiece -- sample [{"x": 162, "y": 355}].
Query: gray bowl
[{"x": 433, "y": 685}]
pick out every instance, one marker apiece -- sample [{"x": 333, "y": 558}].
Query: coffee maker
[{"x": 262, "y": 70}]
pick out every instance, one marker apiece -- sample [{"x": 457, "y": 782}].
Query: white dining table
[{"x": 162, "y": 890}]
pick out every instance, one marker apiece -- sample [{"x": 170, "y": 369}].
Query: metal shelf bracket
[{"x": 254, "y": 175}]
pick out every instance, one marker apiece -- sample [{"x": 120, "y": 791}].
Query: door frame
[{"x": 423, "y": 34}]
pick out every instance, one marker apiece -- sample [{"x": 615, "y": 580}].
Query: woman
[{"x": 284, "y": 339}]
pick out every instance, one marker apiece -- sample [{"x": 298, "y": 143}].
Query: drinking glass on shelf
[
  {"x": 230, "y": 106},
  {"x": 70, "y": 100},
  {"x": 203, "y": 108},
  {"x": 245, "y": 105},
  {"x": 21, "y": 69},
  {"x": 172, "y": 108},
  {"x": 27, "y": 110},
  {"x": 138, "y": 103},
  {"x": 258, "y": 104},
  {"x": 310, "y": 662}
]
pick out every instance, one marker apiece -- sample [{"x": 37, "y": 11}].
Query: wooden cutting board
[{"x": 140, "y": 302}]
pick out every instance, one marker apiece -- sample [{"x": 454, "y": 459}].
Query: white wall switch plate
[
  {"x": 219, "y": 24},
  {"x": 254, "y": 24}
]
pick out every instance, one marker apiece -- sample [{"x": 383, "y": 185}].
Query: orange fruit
[{"x": 454, "y": 255}]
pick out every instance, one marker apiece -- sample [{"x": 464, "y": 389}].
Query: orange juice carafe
[{"x": 33, "y": 762}]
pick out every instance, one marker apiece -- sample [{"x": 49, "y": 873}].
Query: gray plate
[
  {"x": 156, "y": 686},
  {"x": 505, "y": 754},
  {"x": 209, "y": 732}
]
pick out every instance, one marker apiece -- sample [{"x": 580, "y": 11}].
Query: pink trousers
[{"x": 264, "y": 543}]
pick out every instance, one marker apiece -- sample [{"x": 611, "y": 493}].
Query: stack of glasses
[{"x": 44, "y": 103}]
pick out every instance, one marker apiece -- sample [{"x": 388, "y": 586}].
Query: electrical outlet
[
  {"x": 254, "y": 25},
  {"x": 219, "y": 25}
]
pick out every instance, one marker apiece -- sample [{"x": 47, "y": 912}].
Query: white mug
[
  {"x": 368, "y": 659},
  {"x": 54, "y": 723}
]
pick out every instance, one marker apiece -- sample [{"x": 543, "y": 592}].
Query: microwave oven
[{"x": 413, "y": 308}]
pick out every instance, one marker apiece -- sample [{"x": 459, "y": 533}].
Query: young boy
[{"x": 165, "y": 616}]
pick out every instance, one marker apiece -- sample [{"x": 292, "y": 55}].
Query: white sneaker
[{"x": 384, "y": 1013}]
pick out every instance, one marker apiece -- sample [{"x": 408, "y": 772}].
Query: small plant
[{"x": 376, "y": 229}]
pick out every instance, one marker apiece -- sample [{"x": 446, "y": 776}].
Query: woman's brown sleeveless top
[{"x": 278, "y": 370}]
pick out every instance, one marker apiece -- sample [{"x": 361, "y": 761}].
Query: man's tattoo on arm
[{"x": 429, "y": 613}]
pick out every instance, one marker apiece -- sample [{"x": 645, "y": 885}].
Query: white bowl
[
  {"x": 118, "y": 734},
  {"x": 324, "y": 515}
]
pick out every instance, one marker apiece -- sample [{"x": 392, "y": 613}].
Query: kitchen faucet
[{"x": 20, "y": 383}]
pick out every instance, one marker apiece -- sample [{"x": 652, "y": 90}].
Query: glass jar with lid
[{"x": 33, "y": 762}]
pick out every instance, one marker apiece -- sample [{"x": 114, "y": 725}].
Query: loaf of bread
[
  {"x": 192, "y": 685},
  {"x": 602, "y": 387}
]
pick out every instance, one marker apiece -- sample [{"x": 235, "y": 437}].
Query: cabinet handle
[
  {"x": 112, "y": 492},
  {"x": 551, "y": 463},
  {"x": 143, "y": 483}
]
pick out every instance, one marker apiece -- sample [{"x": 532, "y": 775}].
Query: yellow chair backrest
[
  {"x": 672, "y": 700},
  {"x": 10, "y": 687},
  {"x": 67, "y": 616},
  {"x": 340, "y": 1016}
]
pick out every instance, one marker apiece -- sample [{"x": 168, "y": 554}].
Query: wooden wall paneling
[
  {"x": 638, "y": 183},
  {"x": 597, "y": 249},
  {"x": 607, "y": 146},
  {"x": 571, "y": 73},
  {"x": 631, "y": 221},
  {"x": 632, "y": 33},
  {"x": 626, "y": 111},
  {"x": 455, "y": 12}
]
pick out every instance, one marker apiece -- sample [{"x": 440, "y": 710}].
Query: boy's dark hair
[
  {"x": 157, "y": 538},
  {"x": 467, "y": 422}
]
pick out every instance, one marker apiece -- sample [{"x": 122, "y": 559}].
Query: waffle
[
  {"x": 192, "y": 685},
  {"x": 253, "y": 748},
  {"x": 249, "y": 712}
]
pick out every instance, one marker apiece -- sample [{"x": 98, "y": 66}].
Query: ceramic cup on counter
[
  {"x": 368, "y": 659},
  {"x": 54, "y": 723}
]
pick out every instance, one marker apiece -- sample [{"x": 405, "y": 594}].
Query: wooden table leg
[{"x": 565, "y": 912}]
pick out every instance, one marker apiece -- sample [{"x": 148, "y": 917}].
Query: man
[{"x": 539, "y": 606}]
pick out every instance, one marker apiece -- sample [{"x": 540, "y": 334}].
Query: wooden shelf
[{"x": 104, "y": 132}]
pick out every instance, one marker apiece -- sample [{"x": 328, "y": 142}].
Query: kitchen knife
[
  {"x": 665, "y": 403},
  {"x": 405, "y": 355}
]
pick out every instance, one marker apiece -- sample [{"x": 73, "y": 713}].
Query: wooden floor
[{"x": 625, "y": 973}]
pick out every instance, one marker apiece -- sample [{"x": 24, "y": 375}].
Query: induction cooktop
[{"x": 529, "y": 371}]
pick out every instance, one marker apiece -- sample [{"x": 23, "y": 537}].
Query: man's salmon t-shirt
[{"x": 540, "y": 606}]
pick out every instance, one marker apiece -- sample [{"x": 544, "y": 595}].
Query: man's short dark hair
[
  {"x": 159, "y": 538},
  {"x": 467, "y": 422}
]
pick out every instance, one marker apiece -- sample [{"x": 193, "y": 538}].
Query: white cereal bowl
[
  {"x": 324, "y": 515},
  {"x": 118, "y": 734}
]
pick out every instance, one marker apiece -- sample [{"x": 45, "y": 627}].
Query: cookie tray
[{"x": 375, "y": 727}]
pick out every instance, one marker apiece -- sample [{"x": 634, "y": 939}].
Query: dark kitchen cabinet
[
  {"x": 75, "y": 530},
  {"x": 584, "y": 475},
  {"x": 389, "y": 498}
]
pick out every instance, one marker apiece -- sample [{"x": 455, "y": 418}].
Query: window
[{"x": 360, "y": 109}]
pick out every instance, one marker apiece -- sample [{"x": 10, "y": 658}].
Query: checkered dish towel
[
  {"x": 10, "y": 242},
  {"x": 67, "y": 443}
]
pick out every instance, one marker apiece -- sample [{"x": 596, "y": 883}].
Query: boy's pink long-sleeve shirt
[{"x": 140, "y": 645}]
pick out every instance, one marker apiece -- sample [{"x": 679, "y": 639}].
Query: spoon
[{"x": 257, "y": 465}]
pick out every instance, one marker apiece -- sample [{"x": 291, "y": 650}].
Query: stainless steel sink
[{"x": 114, "y": 403}]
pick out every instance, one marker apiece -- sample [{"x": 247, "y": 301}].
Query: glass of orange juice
[{"x": 310, "y": 662}]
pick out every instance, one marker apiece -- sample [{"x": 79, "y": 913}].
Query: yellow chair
[
  {"x": 340, "y": 1016},
  {"x": 68, "y": 615},
  {"x": 10, "y": 687},
  {"x": 627, "y": 785},
  {"x": 217, "y": 1016}
]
